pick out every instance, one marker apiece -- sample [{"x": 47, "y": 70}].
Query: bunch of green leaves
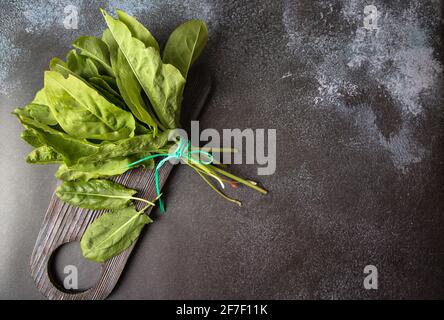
[{"x": 112, "y": 101}]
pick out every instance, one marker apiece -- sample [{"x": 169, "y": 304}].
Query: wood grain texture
[{"x": 64, "y": 223}]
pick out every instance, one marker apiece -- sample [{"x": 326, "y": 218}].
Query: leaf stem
[
  {"x": 218, "y": 191},
  {"x": 103, "y": 195},
  {"x": 143, "y": 200},
  {"x": 203, "y": 169},
  {"x": 251, "y": 184}
]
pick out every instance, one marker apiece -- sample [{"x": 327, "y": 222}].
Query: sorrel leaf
[
  {"x": 162, "y": 83},
  {"x": 185, "y": 45},
  {"x": 95, "y": 194},
  {"x": 112, "y": 233},
  {"x": 83, "y": 113},
  {"x": 96, "y": 49}
]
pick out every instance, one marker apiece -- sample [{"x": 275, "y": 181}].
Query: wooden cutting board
[{"x": 64, "y": 223}]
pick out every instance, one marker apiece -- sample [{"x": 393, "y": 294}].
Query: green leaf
[
  {"x": 112, "y": 233},
  {"x": 44, "y": 155},
  {"x": 103, "y": 87},
  {"x": 107, "y": 37},
  {"x": 185, "y": 45},
  {"x": 31, "y": 137},
  {"x": 39, "y": 110},
  {"x": 96, "y": 49},
  {"x": 146, "y": 143},
  {"x": 40, "y": 98},
  {"x": 141, "y": 129},
  {"x": 113, "y": 158},
  {"x": 70, "y": 148},
  {"x": 129, "y": 87},
  {"x": 41, "y": 113},
  {"x": 61, "y": 67},
  {"x": 111, "y": 81},
  {"x": 109, "y": 96},
  {"x": 131, "y": 90},
  {"x": 162, "y": 83},
  {"x": 89, "y": 171},
  {"x": 138, "y": 30},
  {"x": 89, "y": 168},
  {"x": 77, "y": 67},
  {"x": 95, "y": 194},
  {"x": 101, "y": 82},
  {"x": 83, "y": 113},
  {"x": 82, "y": 66},
  {"x": 107, "y": 84}
]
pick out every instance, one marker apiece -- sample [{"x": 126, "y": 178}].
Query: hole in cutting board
[{"x": 70, "y": 271}]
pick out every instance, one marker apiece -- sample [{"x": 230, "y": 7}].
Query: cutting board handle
[{"x": 64, "y": 223}]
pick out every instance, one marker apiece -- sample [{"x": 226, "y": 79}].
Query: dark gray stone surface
[{"x": 359, "y": 180}]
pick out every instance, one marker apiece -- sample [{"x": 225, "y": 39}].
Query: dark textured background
[{"x": 359, "y": 180}]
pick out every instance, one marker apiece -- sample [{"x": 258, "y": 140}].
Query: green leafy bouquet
[{"x": 113, "y": 102}]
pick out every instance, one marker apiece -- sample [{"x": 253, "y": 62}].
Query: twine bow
[{"x": 183, "y": 151}]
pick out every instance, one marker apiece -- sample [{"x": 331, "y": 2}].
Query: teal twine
[{"x": 182, "y": 151}]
